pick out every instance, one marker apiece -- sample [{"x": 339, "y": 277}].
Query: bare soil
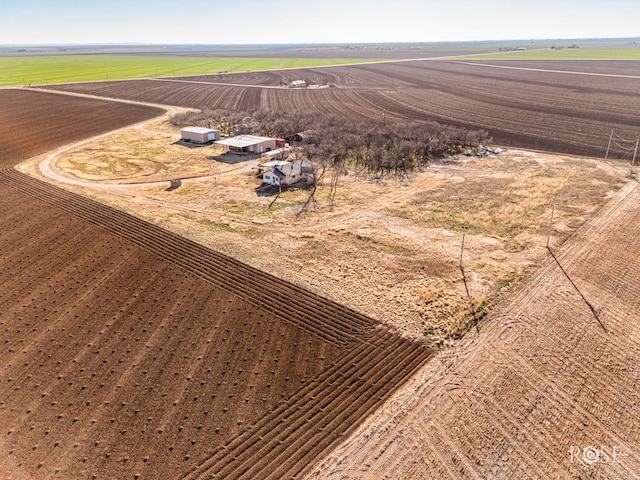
[
  {"x": 537, "y": 110},
  {"x": 131, "y": 352},
  {"x": 34, "y": 121}
]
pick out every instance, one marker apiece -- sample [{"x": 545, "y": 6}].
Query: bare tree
[
  {"x": 334, "y": 142},
  {"x": 318, "y": 157}
]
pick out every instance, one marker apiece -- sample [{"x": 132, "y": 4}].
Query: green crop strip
[
  {"x": 631, "y": 53},
  {"x": 37, "y": 70}
]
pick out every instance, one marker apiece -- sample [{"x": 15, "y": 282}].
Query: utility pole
[
  {"x": 635, "y": 152},
  {"x": 464, "y": 280},
  {"x": 464, "y": 231},
  {"x": 606, "y": 155},
  {"x": 553, "y": 210}
]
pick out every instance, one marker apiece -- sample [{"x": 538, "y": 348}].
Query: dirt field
[
  {"x": 542, "y": 110},
  {"x": 547, "y": 390},
  {"x": 130, "y": 352},
  {"x": 33, "y": 122},
  {"x": 389, "y": 248}
]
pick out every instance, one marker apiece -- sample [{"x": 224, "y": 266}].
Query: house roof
[
  {"x": 278, "y": 172},
  {"x": 242, "y": 141},
  {"x": 198, "y": 130},
  {"x": 274, "y": 163},
  {"x": 275, "y": 152}
]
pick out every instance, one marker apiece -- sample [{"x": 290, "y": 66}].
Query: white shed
[
  {"x": 249, "y": 144},
  {"x": 298, "y": 84},
  {"x": 199, "y": 134}
]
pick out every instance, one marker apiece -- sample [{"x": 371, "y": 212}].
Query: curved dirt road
[{"x": 47, "y": 165}]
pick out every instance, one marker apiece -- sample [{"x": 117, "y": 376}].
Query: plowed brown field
[
  {"x": 130, "y": 352},
  {"x": 33, "y": 122},
  {"x": 549, "y": 110}
]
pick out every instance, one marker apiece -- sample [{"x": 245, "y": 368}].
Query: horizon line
[{"x": 345, "y": 43}]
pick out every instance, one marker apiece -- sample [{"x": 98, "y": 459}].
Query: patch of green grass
[
  {"x": 507, "y": 281},
  {"x": 482, "y": 308},
  {"x": 35, "y": 70},
  {"x": 188, "y": 190},
  {"x": 235, "y": 208},
  {"x": 216, "y": 226},
  {"x": 429, "y": 331},
  {"x": 376, "y": 245},
  {"x": 282, "y": 204},
  {"x": 630, "y": 53}
]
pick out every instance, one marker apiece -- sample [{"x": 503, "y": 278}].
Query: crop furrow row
[
  {"x": 206, "y": 254},
  {"x": 324, "y": 423},
  {"x": 324, "y": 409},
  {"x": 215, "y": 260},
  {"x": 280, "y": 414},
  {"x": 342, "y": 367},
  {"x": 135, "y": 229},
  {"x": 317, "y": 444},
  {"x": 297, "y": 415},
  {"x": 127, "y": 222},
  {"x": 303, "y": 320}
]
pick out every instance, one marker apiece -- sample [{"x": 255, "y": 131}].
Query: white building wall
[{"x": 264, "y": 146}]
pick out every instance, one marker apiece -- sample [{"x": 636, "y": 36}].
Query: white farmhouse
[{"x": 283, "y": 172}]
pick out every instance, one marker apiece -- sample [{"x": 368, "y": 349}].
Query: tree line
[{"x": 382, "y": 147}]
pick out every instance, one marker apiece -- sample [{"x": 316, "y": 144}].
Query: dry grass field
[
  {"x": 389, "y": 248},
  {"x": 145, "y": 156}
]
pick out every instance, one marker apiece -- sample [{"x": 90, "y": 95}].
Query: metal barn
[
  {"x": 249, "y": 144},
  {"x": 199, "y": 134}
]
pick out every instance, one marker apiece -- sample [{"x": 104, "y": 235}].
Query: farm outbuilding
[
  {"x": 278, "y": 153},
  {"x": 199, "y": 134},
  {"x": 249, "y": 144},
  {"x": 298, "y": 84}
]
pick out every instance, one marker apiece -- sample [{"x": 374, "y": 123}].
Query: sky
[{"x": 308, "y": 21}]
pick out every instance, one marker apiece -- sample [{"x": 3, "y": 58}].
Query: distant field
[
  {"x": 540, "y": 110},
  {"x": 78, "y": 68},
  {"x": 630, "y": 53}
]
